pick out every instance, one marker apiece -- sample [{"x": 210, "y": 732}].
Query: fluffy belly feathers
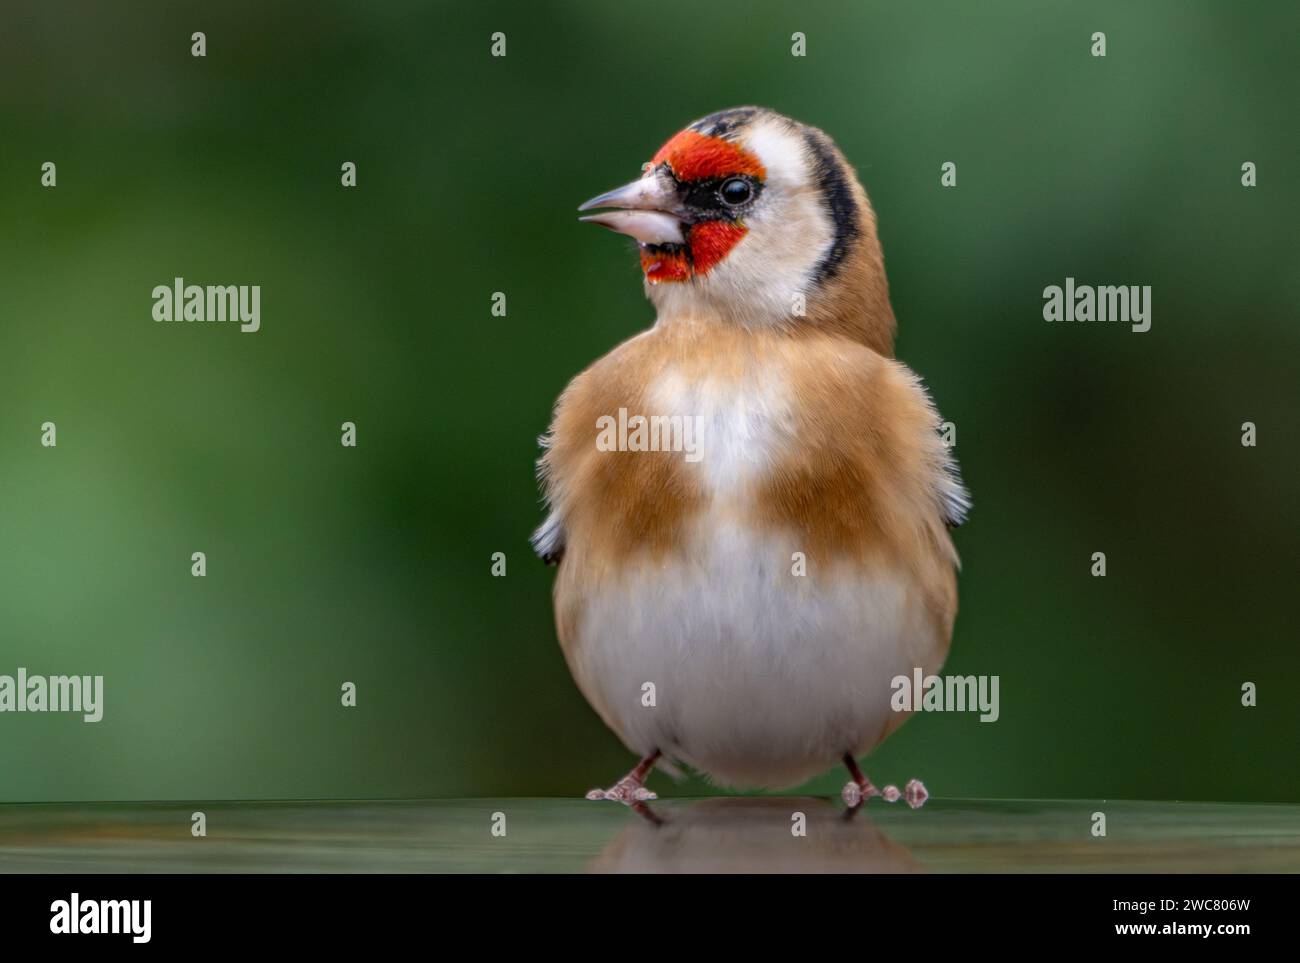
[{"x": 761, "y": 677}]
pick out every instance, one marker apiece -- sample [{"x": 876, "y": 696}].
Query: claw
[
  {"x": 856, "y": 793},
  {"x": 852, "y": 795}
]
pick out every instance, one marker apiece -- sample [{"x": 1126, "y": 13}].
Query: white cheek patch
[{"x": 788, "y": 239}]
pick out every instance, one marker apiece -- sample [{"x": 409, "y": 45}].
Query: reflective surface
[{"x": 688, "y": 835}]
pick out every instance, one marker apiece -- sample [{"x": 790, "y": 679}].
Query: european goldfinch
[{"x": 744, "y": 611}]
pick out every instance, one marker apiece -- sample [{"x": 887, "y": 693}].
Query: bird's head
[{"x": 753, "y": 218}]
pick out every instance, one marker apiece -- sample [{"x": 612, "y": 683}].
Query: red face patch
[
  {"x": 710, "y": 241},
  {"x": 692, "y": 156},
  {"x": 665, "y": 265}
]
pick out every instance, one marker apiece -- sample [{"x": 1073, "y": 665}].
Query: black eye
[{"x": 735, "y": 191}]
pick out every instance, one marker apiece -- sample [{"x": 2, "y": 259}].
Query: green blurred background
[{"x": 372, "y": 564}]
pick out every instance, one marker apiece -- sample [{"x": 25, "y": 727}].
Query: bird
[{"x": 739, "y": 602}]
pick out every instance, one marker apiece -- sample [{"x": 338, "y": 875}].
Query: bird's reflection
[{"x": 752, "y": 835}]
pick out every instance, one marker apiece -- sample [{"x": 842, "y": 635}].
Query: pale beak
[{"x": 647, "y": 207}]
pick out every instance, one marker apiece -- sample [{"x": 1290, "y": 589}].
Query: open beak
[{"x": 645, "y": 211}]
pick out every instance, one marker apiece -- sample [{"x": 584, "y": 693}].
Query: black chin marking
[
  {"x": 670, "y": 248},
  {"x": 835, "y": 189}
]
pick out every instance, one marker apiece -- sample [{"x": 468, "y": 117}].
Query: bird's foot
[
  {"x": 856, "y": 792},
  {"x": 630, "y": 790},
  {"x": 627, "y": 791},
  {"x": 859, "y": 789}
]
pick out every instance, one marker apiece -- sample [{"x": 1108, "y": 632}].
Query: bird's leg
[
  {"x": 859, "y": 789},
  {"x": 631, "y": 789}
]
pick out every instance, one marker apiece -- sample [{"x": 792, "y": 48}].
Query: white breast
[
  {"x": 761, "y": 677},
  {"x": 744, "y": 426}
]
